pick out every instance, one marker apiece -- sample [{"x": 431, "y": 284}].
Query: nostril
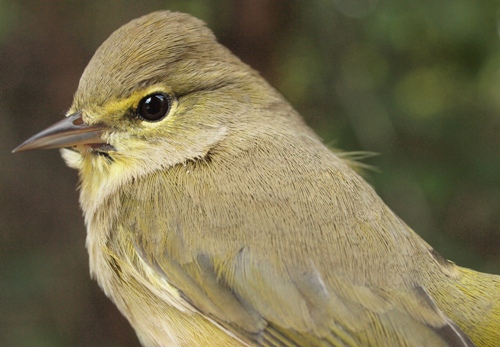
[{"x": 78, "y": 120}]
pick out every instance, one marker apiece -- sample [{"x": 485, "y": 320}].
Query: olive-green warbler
[{"x": 216, "y": 217}]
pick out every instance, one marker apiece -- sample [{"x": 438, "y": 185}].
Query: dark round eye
[{"x": 154, "y": 107}]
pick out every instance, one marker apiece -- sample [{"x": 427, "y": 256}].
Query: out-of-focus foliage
[
  {"x": 420, "y": 84},
  {"x": 417, "y": 82}
]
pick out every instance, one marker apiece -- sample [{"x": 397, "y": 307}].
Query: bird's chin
[{"x": 72, "y": 157}]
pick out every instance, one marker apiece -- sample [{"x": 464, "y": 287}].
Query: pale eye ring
[{"x": 154, "y": 107}]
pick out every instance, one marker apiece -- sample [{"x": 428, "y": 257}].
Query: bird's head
[{"x": 160, "y": 91}]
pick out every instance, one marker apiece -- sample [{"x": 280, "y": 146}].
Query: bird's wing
[{"x": 265, "y": 306}]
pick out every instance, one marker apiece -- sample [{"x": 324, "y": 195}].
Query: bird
[{"x": 216, "y": 217}]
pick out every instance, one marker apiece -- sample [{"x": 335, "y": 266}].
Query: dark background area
[{"x": 417, "y": 82}]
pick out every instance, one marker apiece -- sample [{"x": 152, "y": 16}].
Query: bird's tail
[{"x": 473, "y": 302}]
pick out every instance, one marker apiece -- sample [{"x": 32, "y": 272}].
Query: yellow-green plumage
[{"x": 229, "y": 223}]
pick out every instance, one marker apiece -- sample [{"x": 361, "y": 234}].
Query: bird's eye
[{"x": 154, "y": 107}]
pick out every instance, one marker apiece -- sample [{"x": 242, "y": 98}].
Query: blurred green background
[{"x": 417, "y": 82}]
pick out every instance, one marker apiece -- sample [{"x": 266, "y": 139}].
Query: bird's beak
[{"x": 69, "y": 132}]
